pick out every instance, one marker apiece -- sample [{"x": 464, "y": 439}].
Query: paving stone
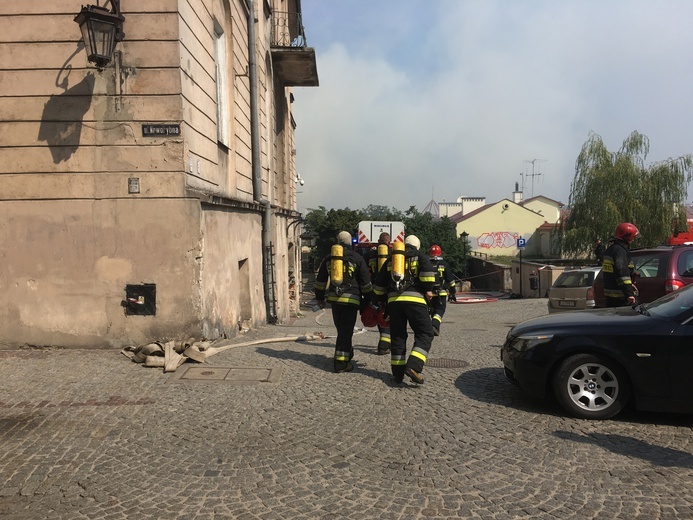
[{"x": 89, "y": 434}]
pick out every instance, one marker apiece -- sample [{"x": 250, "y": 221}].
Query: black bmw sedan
[{"x": 595, "y": 361}]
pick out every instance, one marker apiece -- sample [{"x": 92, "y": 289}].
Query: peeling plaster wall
[
  {"x": 73, "y": 235},
  {"x": 66, "y": 264},
  {"x": 231, "y": 280}
]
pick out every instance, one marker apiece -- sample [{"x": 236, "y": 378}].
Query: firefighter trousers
[
  {"x": 384, "y": 341},
  {"x": 419, "y": 319},
  {"x": 344, "y": 317},
  {"x": 438, "y": 305}
]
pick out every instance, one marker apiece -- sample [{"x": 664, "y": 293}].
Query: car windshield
[
  {"x": 574, "y": 279},
  {"x": 647, "y": 264},
  {"x": 672, "y": 305}
]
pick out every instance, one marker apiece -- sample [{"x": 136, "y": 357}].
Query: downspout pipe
[
  {"x": 256, "y": 165},
  {"x": 254, "y": 114}
]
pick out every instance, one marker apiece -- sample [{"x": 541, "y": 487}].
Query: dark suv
[{"x": 658, "y": 271}]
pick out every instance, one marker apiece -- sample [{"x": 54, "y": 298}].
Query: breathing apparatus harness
[
  {"x": 401, "y": 274},
  {"x": 339, "y": 265}
]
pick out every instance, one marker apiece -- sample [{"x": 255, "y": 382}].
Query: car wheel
[{"x": 590, "y": 386}]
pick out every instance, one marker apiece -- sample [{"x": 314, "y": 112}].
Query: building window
[{"x": 222, "y": 91}]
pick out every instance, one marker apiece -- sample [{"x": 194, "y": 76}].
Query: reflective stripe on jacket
[
  {"x": 445, "y": 281},
  {"x": 618, "y": 269},
  {"x": 357, "y": 281},
  {"x": 419, "y": 279}
]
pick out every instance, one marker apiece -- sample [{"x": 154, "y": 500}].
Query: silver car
[{"x": 573, "y": 290}]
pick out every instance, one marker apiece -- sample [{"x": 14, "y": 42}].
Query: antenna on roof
[{"x": 532, "y": 175}]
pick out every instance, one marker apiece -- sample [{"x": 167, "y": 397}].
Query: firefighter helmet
[
  {"x": 627, "y": 232},
  {"x": 344, "y": 238},
  {"x": 369, "y": 316},
  {"x": 413, "y": 241},
  {"x": 435, "y": 250}
]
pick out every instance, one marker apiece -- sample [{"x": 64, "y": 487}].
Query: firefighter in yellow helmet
[
  {"x": 405, "y": 284},
  {"x": 375, "y": 259},
  {"x": 343, "y": 280},
  {"x": 445, "y": 284}
]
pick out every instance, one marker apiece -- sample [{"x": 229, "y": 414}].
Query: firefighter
[
  {"x": 599, "y": 252},
  {"x": 343, "y": 277},
  {"x": 618, "y": 267},
  {"x": 405, "y": 284},
  {"x": 444, "y": 285},
  {"x": 375, "y": 259}
]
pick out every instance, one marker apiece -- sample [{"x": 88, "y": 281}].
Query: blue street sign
[{"x": 521, "y": 243}]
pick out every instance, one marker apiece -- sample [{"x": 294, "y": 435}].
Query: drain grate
[
  {"x": 233, "y": 375},
  {"x": 446, "y": 363}
]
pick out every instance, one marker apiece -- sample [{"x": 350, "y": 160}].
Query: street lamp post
[{"x": 464, "y": 236}]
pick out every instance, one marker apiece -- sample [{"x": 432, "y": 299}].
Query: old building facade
[{"x": 154, "y": 199}]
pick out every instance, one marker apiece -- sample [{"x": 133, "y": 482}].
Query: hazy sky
[{"x": 422, "y": 99}]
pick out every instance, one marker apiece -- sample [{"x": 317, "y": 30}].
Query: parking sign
[{"x": 521, "y": 243}]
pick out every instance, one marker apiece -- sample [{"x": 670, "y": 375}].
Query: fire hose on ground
[{"x": 172, "y": 354}]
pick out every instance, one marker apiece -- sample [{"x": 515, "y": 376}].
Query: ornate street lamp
[
  {"x": 464, "y": 236},
  {"x": 101, "y": 30}
]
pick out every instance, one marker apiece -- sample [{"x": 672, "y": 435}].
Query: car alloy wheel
[{"x": 590, "y": 386}]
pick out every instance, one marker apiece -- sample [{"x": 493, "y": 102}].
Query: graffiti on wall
[{"x": 497, "y": 239}]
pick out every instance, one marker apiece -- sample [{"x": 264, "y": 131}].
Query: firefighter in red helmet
[
  {"x": 444, "y": 284},
  {"x": 618, "y": 267}
]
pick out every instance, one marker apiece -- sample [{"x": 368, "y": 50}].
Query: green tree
[
  {"x": 326, "y": 224},
  {"x": 442, "y": 232},
  {"x": 613, "y": 187},
  {"x": 375, "y": 212}
]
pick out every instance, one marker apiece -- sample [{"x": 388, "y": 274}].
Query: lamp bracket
[{"x": 115, "y": 10}]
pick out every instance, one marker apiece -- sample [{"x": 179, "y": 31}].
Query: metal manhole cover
[
  {"x": 233, "y": 375},
  {"x": 446, "y": 363}
]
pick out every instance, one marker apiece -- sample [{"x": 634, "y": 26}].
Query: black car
[{"x": 595, "y": 361}]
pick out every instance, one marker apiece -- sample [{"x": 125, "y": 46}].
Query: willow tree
[{"x": 613, "y": 187}]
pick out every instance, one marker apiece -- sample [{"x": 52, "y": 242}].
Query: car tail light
[
  {"x": 673, "y": 285},
  {"x": 589, "y": 299}
]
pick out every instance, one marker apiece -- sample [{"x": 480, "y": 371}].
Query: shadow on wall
[{"x": 61, "y": 124}]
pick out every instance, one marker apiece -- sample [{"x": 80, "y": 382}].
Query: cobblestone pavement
[{"x": 90, "y": 434}]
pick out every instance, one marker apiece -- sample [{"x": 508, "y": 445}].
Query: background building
[
  {"x": 461, "y": 205},
  {"x": 495, "y": 228},
  {"x": 156, "y": 198}
]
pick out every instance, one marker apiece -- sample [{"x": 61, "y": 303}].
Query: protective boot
[
  {"x": 415, "y": 376},
  {"x": 341, "y": 366},
  {"x": 342, "y": 361},
  {"x": 415, "y": 365}
]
